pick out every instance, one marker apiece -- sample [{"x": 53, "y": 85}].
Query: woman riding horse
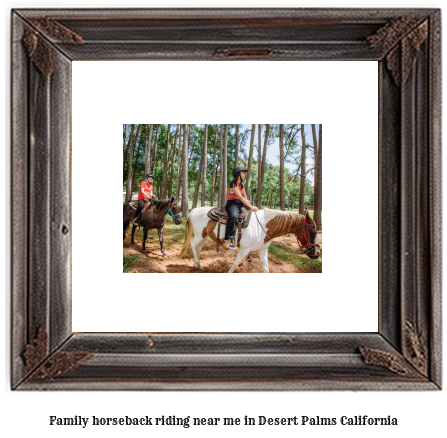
[
  {"x": 236, "y": 198},
  {"x": 146, "y": 190}
]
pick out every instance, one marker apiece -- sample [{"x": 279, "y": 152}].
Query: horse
[
  {"x": 152, "y": 216},
  {"x": 264, "y": 226}
]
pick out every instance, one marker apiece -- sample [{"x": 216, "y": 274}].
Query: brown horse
[{"x": 152, "y": 216}]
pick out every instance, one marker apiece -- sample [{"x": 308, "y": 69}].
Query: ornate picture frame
[{"x": 405, "y": 353}]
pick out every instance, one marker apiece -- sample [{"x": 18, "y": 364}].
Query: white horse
[{"x": 257, "y": 236}]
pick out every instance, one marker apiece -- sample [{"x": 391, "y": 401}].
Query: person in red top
[
  {"x": 236, "y": 198},
  {"x": 145, "y": 193}
]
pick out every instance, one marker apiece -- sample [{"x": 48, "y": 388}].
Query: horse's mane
[
  {"x": 160, "y": 204},
  {"x": 284, "y": 222}
]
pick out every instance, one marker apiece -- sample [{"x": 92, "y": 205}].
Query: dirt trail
[{"x": 213, "y": 262}]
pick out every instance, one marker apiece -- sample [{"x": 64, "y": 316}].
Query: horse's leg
[
  {"x": 126, "y": 224},
  {"x": 160, "y": 238},
  {"x": 196, "y": 246},
  {"x": 134, "y": 227},
  {"x": 240, "y": 256},
  {"x": 126, "y": 220},
  {"x": 145, "y": 230},
  {"x": 263, "y": 255}
]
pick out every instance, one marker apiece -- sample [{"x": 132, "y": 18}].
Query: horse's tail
[{"x": 188, "y": 237}]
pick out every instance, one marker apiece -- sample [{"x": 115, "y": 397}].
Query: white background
[
  {"x": 419, "y": 414},
  {"x": 345, "y": 102}
]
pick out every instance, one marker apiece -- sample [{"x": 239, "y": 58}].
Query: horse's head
[
  {"x": 175, "y": 211},
  {"x": 307, "y": 237}
]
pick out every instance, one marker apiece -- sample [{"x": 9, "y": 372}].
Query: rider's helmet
[
  {"x": 238, "y": 169},
  {"x": 149, "y": 175}
]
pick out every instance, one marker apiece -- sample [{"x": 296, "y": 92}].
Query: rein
[{"x": 280, "y": 241}]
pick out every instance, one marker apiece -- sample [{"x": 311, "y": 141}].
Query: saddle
[
  {"x": 220, "y": 215},
  {"x": 134, "y": 204}
]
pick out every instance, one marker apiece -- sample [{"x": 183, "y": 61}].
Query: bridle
[
  {"x": 170, "y": 212},
  {"x": 309, "y": 245}
]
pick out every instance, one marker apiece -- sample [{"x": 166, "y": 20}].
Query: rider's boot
[{"x": 228, "y": 244}]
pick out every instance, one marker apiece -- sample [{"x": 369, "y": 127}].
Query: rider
[
  {"x": 145, "y": 193},
  {"x": 236, "y": 198}
]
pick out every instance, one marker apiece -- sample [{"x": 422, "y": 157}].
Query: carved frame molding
[{"x": 405, "y": 354}]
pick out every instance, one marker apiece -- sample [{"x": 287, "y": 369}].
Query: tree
[
  {"x": 223, "y": 200},
  {"x": 281, "y": 168},
  {"x": 262, "y": 165},
  {"x": 133, "y": 138},
  {"x": 318, "y": 177},
  {"x": 213, "y": 177},
  {"x": 136, "y": 159},
  {"x": 236, "y": 152},
  {"x": 219, "y": 199},
  {"x": 199, "y": 173},
  {"x": 132, "y": 142},
  {"x": 185, "y": 200},
  {"x": 171, "y": 175},
  {"x": 164, "y": 181},
  {"x": 250, "y": 159},
  {"x": 179, "y": 164},
  {"x": 155, "y": 148},
  {"x": 205, "y": 147},
  {"x": 126, "y": 149},
  {"x": 259, "y": 191},
  {"x": 147, "y": 165},
  {"x": 303, "y": 170}
]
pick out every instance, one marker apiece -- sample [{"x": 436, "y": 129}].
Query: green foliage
[
  {"x": 270, "y": 195},
  {"x": 287, "y": 255},
  {"x": 128, "y": 262}
]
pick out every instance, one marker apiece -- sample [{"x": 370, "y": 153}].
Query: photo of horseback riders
[{"x": 259, "y": 187}]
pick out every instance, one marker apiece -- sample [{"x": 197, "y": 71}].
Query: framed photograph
[{"x": 50, "y": 349}]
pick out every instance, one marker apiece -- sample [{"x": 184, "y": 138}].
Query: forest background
[{"x": 198, "y": 165}]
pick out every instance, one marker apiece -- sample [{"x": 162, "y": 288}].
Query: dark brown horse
[{"x": 152, "y": 216}]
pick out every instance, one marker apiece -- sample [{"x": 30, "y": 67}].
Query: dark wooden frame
[{"x": 405, "y": 354}]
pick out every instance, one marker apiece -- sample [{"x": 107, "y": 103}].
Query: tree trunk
[
  {"x": 219, "y": 199},
  {"x": 147, "y": 166},
  {"x": 133, "y": 141},
  {"x": 179, "y": 164},
  {"x": 164, "y": 181},
  {"x": 259, "y": 192},
  {"x": 303, "y": 171},
  {"x": 318, "y": 181},
  {"x": 205, "y": 147},
  {"x": 236, "y": 152},
  {"x": 250, "y": 158},
  {"x": 155, "y": 149},
  {"x": 264, "y": 154},
  {"x": 224, "y": 168},
  {"x": 171, "y": 176},
  {"x": 282, "y": 199},
  {"x": 314, "y": 138},
  {"x": 138, "y": 153},
  {"x": 199, "y": 174},
  {"x": 126, "y": 150},
  {"x": 213, "y": 177},
  {"x": 134, "y": 138},
  {"x": 185, "y": 208}
]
